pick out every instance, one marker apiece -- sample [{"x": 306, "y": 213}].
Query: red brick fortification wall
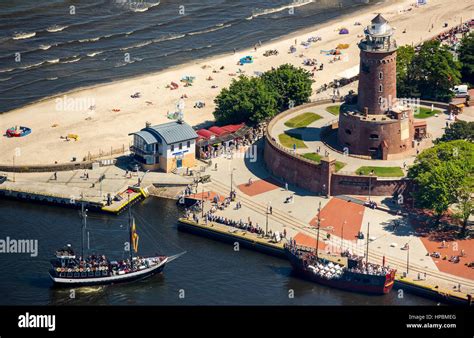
[
  {"x": 361, "y": 135},
  {"x": 294, "y": 170},
  {"x": 321, "y": 178},
  {"x": 342, "y": 184},
  {"x": 376, "y": 69}
]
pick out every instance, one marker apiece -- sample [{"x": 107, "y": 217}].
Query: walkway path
[{"x": 296, "y": 218}]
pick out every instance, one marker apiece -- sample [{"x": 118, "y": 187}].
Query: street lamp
[
  {"x": 408, "y": 257},
  {"x": 231, "y": 181},
  {"x": 202, "y": 201},
  {"x": 370, "y": 181},
  {"x": 266, "y": 224},
  {"x": 342, "y": 236}
]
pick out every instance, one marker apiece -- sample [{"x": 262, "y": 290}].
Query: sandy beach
[{"x": 115, "y": 113}]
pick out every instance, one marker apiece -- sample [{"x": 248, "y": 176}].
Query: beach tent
[
  {"x": 422, "y": 2},
  {"x": 247, "y": 59},
  {"x": 348, "y": 73},
  {"x": 344, "y": 31}
]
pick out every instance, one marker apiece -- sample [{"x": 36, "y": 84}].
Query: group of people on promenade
[{"x": 247, "y": 226}]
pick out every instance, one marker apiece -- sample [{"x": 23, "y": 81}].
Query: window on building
[
  {"x": 380, "y": 99},
  {"x": 374, "y": 136},
  {"x": 381, "y": 75},
  {"x": 188, "y": 144},
  {"x": 172, "y": 147},
  {"x": 180, "y": 146},
  {"x": 380, "y": 88}
]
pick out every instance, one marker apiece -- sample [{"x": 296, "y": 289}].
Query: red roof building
[
  {"x": 206, "y": 134},
  {"x": 232, "y": 128},
  {"x": 218, "y": 130}
]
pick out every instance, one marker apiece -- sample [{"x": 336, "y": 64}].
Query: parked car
[{"x": 460, "y": 91}]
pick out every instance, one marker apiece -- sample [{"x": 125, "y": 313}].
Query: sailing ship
[
  {"x": 347, "y": 272},
  {"x": 69, "y": 269}
]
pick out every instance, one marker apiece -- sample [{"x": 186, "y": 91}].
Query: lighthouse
[
  {"x": 377, "y": 126},
  {"x": 377, "y": 91}
]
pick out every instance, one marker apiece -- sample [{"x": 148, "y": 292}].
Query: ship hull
[
  {"x": 129, "y": 277},
  {"x": 377, "y": 285}
]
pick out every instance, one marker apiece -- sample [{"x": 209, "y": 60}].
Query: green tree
[
  {"x": 246, "y": 100},
  {"x": 435, "y": 72},
  {"x": 466, "y": 57},
  {"x": 459, "y": 130},
  {"x": 465, "y": 204},
  {"x": 405, "y": 83},
  {"x": 442, "y": 175},
  {"x": 292, "y": 84}
]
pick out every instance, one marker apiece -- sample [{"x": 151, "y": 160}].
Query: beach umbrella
[{"x": 344, "y": 31}]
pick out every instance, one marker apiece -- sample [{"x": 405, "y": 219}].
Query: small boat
[
  {"x": 69, "y": 269},
  {"x": 18, "y": 131}
]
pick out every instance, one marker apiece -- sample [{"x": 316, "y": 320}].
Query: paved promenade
[{"x": 298, "y": 218}]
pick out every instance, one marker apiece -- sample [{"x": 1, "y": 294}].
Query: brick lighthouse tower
[
  {"x": 377, "y": 127},
  {"x": 378, "y": 69}
]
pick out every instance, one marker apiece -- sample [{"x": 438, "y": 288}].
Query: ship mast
[
  {"x": 130, "y": 231},
  {"x": 84, "y": 224},
  {"x": 319, "y": 225}
]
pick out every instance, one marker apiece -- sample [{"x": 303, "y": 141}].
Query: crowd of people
[
  {"x": 98, "y": 263},
  {"x": 247, "y": 226},
  {"x": 450, "y": 37},
  {"x": 330, "y": 270},
  {"x": 229, "y": 147},
  {"x": 371, "y": 269}
]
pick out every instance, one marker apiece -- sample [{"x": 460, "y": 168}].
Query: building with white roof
[{"x": 165, "y": 146}]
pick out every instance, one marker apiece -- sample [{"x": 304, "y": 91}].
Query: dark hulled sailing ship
[
  {"x": 68, "y": 268},
  {"x": 347, "y": 272}
]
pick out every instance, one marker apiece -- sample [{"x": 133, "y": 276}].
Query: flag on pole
[{"x": 135, "y": 237}]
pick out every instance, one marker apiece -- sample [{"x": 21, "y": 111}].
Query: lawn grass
[
  {"x": 333, "y": 109},
  {"x": 288, "y": 139},
  {"x": 381, "y": 171},
  {"x": 317, "y": 158},
  {"x": 312, "y": 157},
  {"x": 426, "y": 112},
  {"x": 339, "y": 165},
  {"x": 302, "y": 120}
]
